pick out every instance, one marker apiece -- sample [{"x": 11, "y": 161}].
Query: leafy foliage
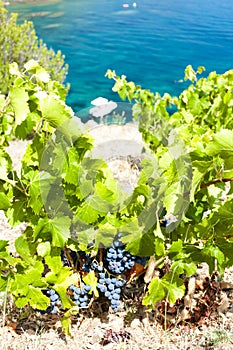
[
  {"x": 191, "y": 139},
  {"x": 181, "y": 208},
  {"x": 19, "y": 43}
]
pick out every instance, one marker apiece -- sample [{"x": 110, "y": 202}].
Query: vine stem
[
  {"x": 213, "y": 182},
  {"x": 151, "y": 267},
  {"x": 67, "y": 253}
]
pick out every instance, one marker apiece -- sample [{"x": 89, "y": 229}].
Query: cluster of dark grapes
[
  {"x": 55, "y": 301},
  {"x": 111, "y": 288},
  {"x": 118, "y": 260},
  {"x": 80, "y": 295},
  {"x": 108, "y": 285}
]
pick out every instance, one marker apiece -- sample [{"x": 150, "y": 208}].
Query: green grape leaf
[
  {"x": 169, "y": 286},
  {"x": 222, "y": 144},
  {"x": 43, "y": 248},
  {"x": 199, "y": 172},
  {"x": 158, "y": 232},
  {"x": 226, "y": 246},
  {"x": 42, "y": 75},
  {"x": 19, "y": 101},
  {"x": 86, "y": 188},
  {"x": 9, "y": 259},
  {"x": 86, "y": 235},
  {"x": 31, "y": 65},
  {"x": 37, "y": 299},
  {"x": 174, "y": 287},
  {"x": 225, "y": 213},
  {"x": 130, "y": 231},
  {"x": 66, "y": 319},
  {"x": 4, "y": 201},
  {"x": 3, "y": 245},
  {"x": 210, "y": 254},
  {"x": 3, "y": 284},
  {"x": 58, "y": 228},
  {"x": 3, "y": 166},
  {"x": 53, "y": 110},
  {"x": 200, "y": 69},
  {"x": 23, "y": 249},
  {"x": 35, "y": 201},
  {"x": 14, "y": 69},
  {"x": 17, "y": 212},
  {"x": 20, "y": 302},
  {"x": 142, "y": 245},
  {"x": 156, "y": 292},
  {"x": 87, "y": 214},
  {"x": 181, "y": 267},
  {"x": 105, "y": 234},
  {"x": 159, "y": 247},
  {"x": 190, "y": 74},
  {"x": 61, "y": 282},
  {"x": 91, "y": 279},
  {"x": 54, "y": 262},
  {"x": 26, "y": 287},
  {"x": 176, "y": 247},
  {"x": 111, "y": 74}
]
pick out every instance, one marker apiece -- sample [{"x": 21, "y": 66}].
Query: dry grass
[{"x": 24, "y": 330}]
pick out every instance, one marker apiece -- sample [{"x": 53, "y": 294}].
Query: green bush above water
[{"x": 19, "y": 43}]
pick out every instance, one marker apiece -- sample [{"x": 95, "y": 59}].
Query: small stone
[{"x": 136, "y": 323}]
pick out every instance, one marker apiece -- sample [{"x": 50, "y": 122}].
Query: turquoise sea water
[{"x": 151, "y": 44}]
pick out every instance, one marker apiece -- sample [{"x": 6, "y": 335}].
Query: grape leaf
[
  {"x": 222, "y": 144},
  {"x": 58, "y": 228},
  {"x": 91, "y": 279},
  {"x": 4, "y": 201},
  {"x": 174, "y": 287},
  {"x": 43, "y": 249},
  {"x": 53, "y": 110},
  {"x": 61, "y": 281},
  {"x": 142, "y": 245},
  {"x": 23, "y": 249},
  {"x": 19, "y": 101},
  {"x": 156, "y": 292},
  {"x": 105, "y": 234},
  {"x": 169, "y": 286},
  {"x": 37, "y": 299},
  {"x": 87, "y": 214}
]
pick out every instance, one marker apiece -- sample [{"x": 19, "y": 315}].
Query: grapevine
[{"x": 84, "y": 238}]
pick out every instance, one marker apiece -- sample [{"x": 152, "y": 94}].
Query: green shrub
[{"x": 19, "y": 43}]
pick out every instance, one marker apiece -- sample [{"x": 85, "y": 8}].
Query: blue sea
[{"x": 151, "y": 43}]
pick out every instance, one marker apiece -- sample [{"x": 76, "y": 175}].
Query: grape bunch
[
  {"x": 55, "y": 301},
  {"x": 118, "y": 260},
  {"x": 111, "y": 288},
  {"x": 80, "y": 295},
  {"x": 113, "y": 261}
]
